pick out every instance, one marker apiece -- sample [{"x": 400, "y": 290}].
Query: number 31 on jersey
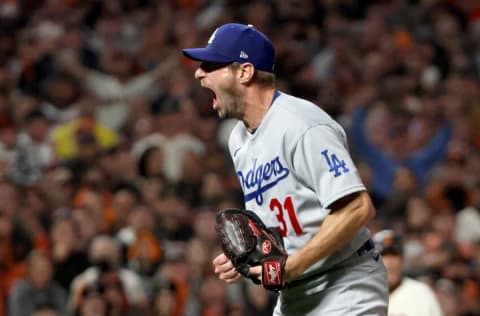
[{"x": 285, "y": 211}]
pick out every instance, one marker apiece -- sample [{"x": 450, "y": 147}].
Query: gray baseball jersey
[{"x": 291, "y": 169}]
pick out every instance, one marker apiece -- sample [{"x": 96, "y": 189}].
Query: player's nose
[{"x": 199, "y": 73}]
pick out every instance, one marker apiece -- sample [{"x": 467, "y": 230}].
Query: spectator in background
[
  {"x": 69, "y": 137},
  {"x": 116, "y": 296},
  {"x": 33, "y": 152},
  {"x": 116, "y": 85},
  {"x": 89, "y": 225},
  {"x": 404, "y": 186},
  {"x": 91, "y": 302},
  {"x": 95, "y": 199},
  {"x": 164, "y": 299},
  {"x": 407, "y": 296},
  {"x": 213, "y": 298},
  {"x": 105, "y": 257},
  {"x": 37, "y": 289},
  {"x": 468, "y": 219},
  {"x": 250, "y": 299},
  {"x": 110, "y": 70},
  {"x": 124, "y": 199},
  {"x": 385, "y": 163},
  {"x": 68, "y": 255},
  {"x": 177, "y": 146},
  {"x": 58, "y": 188},
  {"x": 150, "y": 162}
]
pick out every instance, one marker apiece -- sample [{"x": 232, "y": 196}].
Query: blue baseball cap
[{"x": 236, "y": 42}]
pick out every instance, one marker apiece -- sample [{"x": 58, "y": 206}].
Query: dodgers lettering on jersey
[
  {"x": 261, "y": 177},
  {"x": 293, "y": 168}
]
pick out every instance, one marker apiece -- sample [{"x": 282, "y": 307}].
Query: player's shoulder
[
  {"x": 300, "y": 112},
  {"x": 297, "y": 116}
]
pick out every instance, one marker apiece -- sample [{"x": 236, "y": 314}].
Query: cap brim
[{"x": 205, "y": 54}]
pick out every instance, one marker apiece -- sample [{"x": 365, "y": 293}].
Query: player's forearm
[{"x": 337, "y": 229}]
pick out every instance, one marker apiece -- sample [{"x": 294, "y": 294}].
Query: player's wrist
[{"x": 292, "y": 269}]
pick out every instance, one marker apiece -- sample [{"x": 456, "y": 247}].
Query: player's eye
[{"x": 209, "y": 66}]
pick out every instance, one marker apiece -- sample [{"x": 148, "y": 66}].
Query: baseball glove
[{"x": 247, "y": 242}]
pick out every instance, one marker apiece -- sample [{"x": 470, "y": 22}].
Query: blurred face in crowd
[
  {"x": 418, "y": 213},
  {"x": 204, "y": 224},
  {"x": 88, "y": 224},
  {"x": 73, "y": 38},
  {"x": 37, "y": 129},
  {"x": 221, "y": 80},
  {"x": 123, "y": 202},
  {"x": 192, "y": 168},
  {"x": 141, "y": 218},
  {"x": 87, "y": 148},
  {"x": 8, "y": 137},
  {"x": 63, "y": 234},
  {"x": 117, "y": 63},
  {"x": 212, "y": 187},
  {"x": 153, "y": 161},
  {"x": 164, "y": 302},
  {"x": 104, "y": 251},
  {"x": 62, "y": 92},
  {"x": 93, "y": 305},
  {"x": 213, "y": 295},
  {"x": 197, "y": 256},
  {"x": 394, "y": 264},
  {"x": 40, "y": 270}
]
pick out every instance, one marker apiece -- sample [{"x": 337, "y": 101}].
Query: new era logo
[{"x": 243, "y": 55}]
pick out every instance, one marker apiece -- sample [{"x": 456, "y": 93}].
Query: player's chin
[
  {"x": 226, "y": 113},
  {"x": 222, "y": 113}
]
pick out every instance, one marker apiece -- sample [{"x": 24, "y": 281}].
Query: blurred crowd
[{"x": 113, "y": 163}]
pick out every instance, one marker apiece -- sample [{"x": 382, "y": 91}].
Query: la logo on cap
[{"x": 212, "y": 37}]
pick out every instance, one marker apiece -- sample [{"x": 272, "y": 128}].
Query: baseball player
[{"x": 293, "y": 164}]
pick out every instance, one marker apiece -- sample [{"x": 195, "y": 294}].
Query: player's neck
[{"x": 257, "y": 102}]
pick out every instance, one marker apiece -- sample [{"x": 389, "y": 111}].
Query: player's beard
[{"x": 231, "y": 101}]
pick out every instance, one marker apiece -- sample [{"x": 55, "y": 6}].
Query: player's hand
[
  {"x": 256, "y": 271},
  {"x": 225, "y": 269}
]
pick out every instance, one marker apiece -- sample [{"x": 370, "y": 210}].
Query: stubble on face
[{"x": 230, "y": 100}]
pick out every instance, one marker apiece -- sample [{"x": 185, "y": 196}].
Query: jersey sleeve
[{"x": 321, "y": 159}]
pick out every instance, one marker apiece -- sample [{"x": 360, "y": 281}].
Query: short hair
[{"x": 263, "y": 78}]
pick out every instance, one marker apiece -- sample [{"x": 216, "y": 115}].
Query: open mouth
[{"x": 214, "y": 98}]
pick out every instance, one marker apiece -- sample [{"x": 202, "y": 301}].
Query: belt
[{"x": 364, "y": 249}]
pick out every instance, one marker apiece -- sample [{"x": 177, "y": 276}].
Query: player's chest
[{"x": 263, "y": 168}]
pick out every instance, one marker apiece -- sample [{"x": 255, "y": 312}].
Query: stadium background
[{"x": 106, "y": 137}]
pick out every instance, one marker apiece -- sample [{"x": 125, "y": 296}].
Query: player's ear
[{"x": 246, "y": 73}]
